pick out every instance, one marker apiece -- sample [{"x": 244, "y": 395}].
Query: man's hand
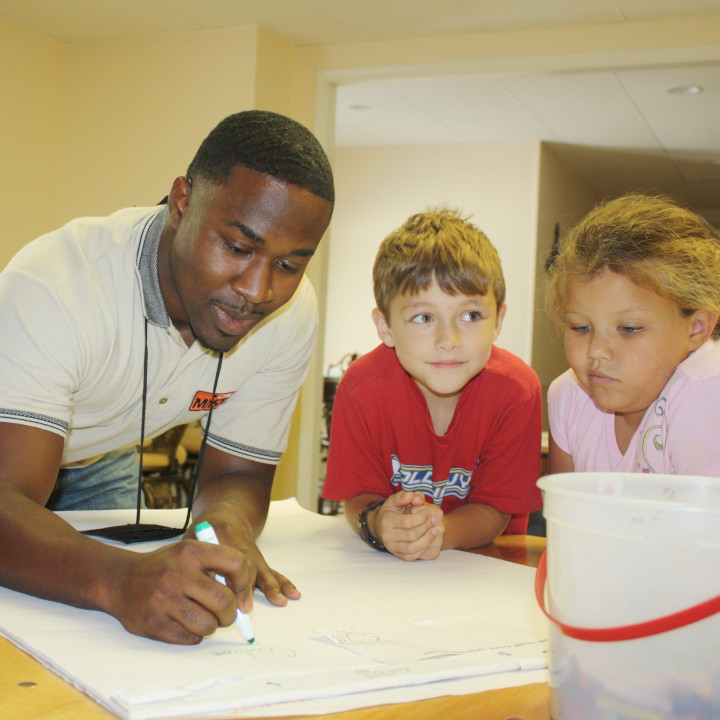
[
  {"x": 234, "y": 496},
  {"x": 276, "y": 587},
  {"x": 171, "y": 594},
  {"x": 409, "y": 527}
]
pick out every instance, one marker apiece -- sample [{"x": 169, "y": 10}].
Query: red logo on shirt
[{"x": 204, "y": 401}]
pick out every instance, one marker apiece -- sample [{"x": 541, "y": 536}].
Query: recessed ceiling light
[{"x": 685, "y": 90}]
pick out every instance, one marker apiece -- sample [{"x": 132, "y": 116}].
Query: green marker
[{"x": 205, "y": 533}]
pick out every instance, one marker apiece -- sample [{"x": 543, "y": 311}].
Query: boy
[{"x": 435, "y": 438}]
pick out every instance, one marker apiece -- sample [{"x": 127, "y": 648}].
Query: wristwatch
[{"x": 364, "y": 528}]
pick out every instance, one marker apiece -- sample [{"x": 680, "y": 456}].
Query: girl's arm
[{"x": 558, "y": 460}]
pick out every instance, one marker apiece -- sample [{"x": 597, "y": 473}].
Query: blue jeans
[{"x": 108, "y": 484}]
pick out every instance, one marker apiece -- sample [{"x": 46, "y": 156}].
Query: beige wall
[
  {"x": 562, "y": 199},
  {"x": 379, "y": 188},
  {"x": 138, "y": 109},
  {"x": 33, "y": 91},
  {"x": 88, "y": 130},
  {"x": 536, "y": 50},
  {"x": 91, "y": 129}
]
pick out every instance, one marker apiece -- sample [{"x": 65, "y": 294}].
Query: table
[{"x": 28, "y": 691}]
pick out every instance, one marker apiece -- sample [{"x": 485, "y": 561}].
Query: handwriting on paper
[{"x": 255, "y": 650}]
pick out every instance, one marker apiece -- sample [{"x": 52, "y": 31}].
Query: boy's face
[{"x": 441, "y": 340}]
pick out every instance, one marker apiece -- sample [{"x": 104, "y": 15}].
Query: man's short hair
[
  {"x": 437, "y": 245},
  {"x": 268, "y": 143}
]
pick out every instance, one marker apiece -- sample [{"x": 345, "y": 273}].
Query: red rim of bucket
[{"x": 625, "y": 632}]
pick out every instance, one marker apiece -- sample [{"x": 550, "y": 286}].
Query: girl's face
[{"x": 624, "y": 342}]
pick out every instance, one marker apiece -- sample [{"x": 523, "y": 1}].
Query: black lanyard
[{"x": 143, "y": 532}]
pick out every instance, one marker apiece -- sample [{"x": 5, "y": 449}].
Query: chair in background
[
  {"x": 536, "y": 522},
  {"x": 191, "y": 441},
  {"x": 331, "y": 381},
  {"x": 165, "y": 483}
]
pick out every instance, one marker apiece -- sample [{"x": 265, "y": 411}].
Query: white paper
[
  {"x": 435, "y": 625},
  {"x": 428, "y": 639}
]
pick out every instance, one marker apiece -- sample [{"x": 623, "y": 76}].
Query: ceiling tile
[
  {"x": 635, "y": 10},
  {"x": 375, "y": 114},
  {"x": 478, "y": 109},
  {"x": 381, "y": 20},
  {"x": 584, "y": 108},
  {"x": 503, "y": 15},
  {"x": 681, "y": 123}
]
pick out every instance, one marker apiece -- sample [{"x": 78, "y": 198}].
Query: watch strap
[{"x": 364, "y": 528}]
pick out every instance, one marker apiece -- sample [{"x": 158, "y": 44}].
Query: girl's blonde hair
[
  {"x": 652, "y": 240},
  {"x": 437, "y": 245}
]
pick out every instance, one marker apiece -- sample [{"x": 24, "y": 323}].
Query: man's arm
[
  {"x": 168, "y": 594},
  {"x": 234, "y": 495}
]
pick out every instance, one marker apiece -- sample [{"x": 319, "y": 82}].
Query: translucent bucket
[{"x": 633, "y": 594}]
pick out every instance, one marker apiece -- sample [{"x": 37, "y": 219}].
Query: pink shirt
[{"x": 679, "y": 434}]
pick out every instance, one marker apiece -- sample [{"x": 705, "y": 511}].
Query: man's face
[{"x": 239, "y": 252}]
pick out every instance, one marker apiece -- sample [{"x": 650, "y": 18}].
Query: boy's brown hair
[{"x": 437, "y": 245}]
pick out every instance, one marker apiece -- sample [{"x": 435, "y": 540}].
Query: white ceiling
[
  {"x": 317, "y": 22},
  {"x": 619, "y": 130}
]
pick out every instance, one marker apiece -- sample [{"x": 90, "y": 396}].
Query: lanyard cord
[
  {"x": 142, "y": 428},
  {"x": 137, "y": 532},
  {"x": 201, "y": 452}
]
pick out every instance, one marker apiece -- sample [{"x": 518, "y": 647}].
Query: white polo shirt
[{"x": 73, "y": 305}]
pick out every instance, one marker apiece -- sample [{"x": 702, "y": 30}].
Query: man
[{"x": 149, "y": 318}]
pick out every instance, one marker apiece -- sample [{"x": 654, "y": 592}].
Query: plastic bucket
[{"x": 633, "y": 594}]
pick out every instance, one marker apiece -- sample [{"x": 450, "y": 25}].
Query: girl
[{"x": 637, "y": 286}]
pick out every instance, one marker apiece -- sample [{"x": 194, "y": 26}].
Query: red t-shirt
[{"x": 382, "y": 438}]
